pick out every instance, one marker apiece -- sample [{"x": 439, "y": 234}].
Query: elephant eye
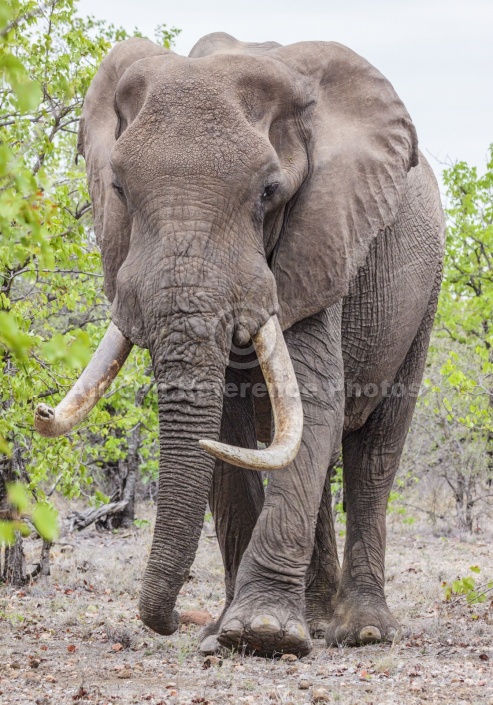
[
  {"x": 270, "y": 190},
  {"x": 118, "y": 189}
]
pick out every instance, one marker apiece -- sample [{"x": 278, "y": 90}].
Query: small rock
[
  {"x": 304, "y": 684},
  {"x": 199, "y": 617},
  {"x": 320, "y": 695},
  {"x": 50, "y": 679},
  {"x": 15, "y": 664},
  {"x": 126, "y": 673},
  {"x": 34, "y": 662},
  {"x": 289, "y": 657},
  {"x": 212, "y": 661}
]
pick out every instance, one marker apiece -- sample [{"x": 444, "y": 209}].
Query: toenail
[
  {"x": 265, "y": 624},
  {"x": 297, "y": 630},
  {"x": 234, "y": 625},
  {"x": 369, "y": 633},
  {"x": 209, "y": 645}
]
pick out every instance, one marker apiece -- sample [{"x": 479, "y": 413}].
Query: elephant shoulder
[{"x": 421, "y": 206}]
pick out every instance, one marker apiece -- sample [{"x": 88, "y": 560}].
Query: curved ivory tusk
[
  {"x": 277, "y": 368},
  {"x": 104, "y": 366}
]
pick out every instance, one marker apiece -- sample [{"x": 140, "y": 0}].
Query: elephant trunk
[{"x": 189, "y": 409}]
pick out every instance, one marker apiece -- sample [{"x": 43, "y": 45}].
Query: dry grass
[{"x": 76, "y": 638}]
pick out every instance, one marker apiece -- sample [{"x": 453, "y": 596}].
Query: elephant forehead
[
  {"x": 185, "y": 145},
  {"x": 207, "y": 80},
  {"x": 208, "y": 115}
]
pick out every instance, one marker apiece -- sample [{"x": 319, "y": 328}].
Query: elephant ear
[
  {"x": 97, "y": 136},
  {"x": 363, "y": 144}
]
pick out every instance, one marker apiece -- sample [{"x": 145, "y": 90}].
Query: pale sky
[{"x": 438, "y": 54}]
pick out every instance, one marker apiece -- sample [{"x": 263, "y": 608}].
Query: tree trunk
[
  {"x": 14, "y": 562},
  {"x": 459, "y": 502},
  {"x": 469, "y": 501},
  {"x": 489, "y": 435},
  {"x": 14, "y": 566}
]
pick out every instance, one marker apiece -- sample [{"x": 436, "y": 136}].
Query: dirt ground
[{"x": 75, "y": 637}]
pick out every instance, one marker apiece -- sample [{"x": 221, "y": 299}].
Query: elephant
[{"x": 266, "y": 222}]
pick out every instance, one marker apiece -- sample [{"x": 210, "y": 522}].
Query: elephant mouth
[{"x": 276, "y": 366}]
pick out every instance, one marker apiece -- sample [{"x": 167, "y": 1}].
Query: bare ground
[{"x": 75, "y": 637}]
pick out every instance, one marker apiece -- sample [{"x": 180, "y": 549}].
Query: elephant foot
[
  {"x": 210, "y": 645},
  {"x": 358, "y": 621},
  {"x": 318, "y": 627},
  {"x": 265, "y": 634}
]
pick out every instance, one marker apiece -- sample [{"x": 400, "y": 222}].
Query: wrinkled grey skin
[{"x": 240, "y": 182}]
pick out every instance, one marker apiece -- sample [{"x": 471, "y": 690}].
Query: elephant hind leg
[
  {"x": 322, "y": 579},
  {"x": 371, "y": 457}
]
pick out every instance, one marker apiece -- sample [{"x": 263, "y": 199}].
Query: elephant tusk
[
  {"x": 277, "y": 368},
  {"x": 89, "y": 388}
]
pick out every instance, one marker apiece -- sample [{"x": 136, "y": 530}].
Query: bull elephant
[{"x": 255, "y": 192}]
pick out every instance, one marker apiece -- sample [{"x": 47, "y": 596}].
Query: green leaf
[
  {"x": 468, "y": 583},
  {"x": 7, "y": 532},
  {"x": 18, "y": 496},
  {"x": 101, "y": 498},
  {"x": 44, "y": 518},
  {"x": 20, "y": 343},
  {"x": 5, "y": 448}
]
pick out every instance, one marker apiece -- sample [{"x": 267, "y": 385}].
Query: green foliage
[
  {"x": 466, "y": 301},
  {"x": 44, "y": 519},
  {"x": 452, "y": 432},
  {"x": 42, "y": 515},
  {"x": 166, "y": 37},
  {"x": 467, "y": 587},
  {"x": 52, "y": 309}
]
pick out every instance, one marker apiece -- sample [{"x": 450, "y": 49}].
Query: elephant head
[{"x": 242, "y": 183}]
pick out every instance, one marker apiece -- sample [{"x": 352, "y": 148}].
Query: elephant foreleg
[
  {"x": 267, "y": 614},
  {"x": 237, "y": 495}
]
